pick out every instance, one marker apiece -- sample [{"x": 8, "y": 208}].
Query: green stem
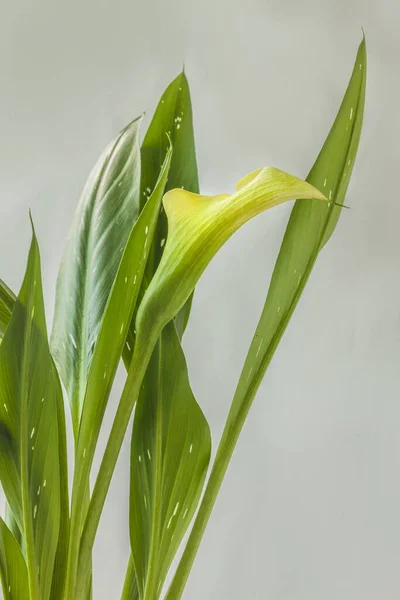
[
  {"x": 226, "y": 447},
  {"x": 140, "y": 359}
]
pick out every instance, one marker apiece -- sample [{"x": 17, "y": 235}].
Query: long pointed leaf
[
  {"x": 170, "y": 452},
  {"x": 103, "y": 220},
  {"x": 7, "y": 299},
  {"x": 309, "y": 228},
  {"x": 173, "y": 118},
  {"x": 30, "y": 394},
  {"x": 111, "y": 340}
]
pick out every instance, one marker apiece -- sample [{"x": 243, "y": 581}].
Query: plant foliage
[{"x": 141, "y": 237}]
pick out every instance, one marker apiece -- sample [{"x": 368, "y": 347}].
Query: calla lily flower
[{"x": 197, "y": 228}]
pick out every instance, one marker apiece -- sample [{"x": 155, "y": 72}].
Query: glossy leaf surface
[
  {"x": 106, "y": 212},
  {"x": 114, "y": 327},
  {"x": 172, "y": 119},
  {"x": 30, "y": 397}
]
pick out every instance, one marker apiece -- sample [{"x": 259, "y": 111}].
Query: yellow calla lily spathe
[{"x": 197, "y": 228}]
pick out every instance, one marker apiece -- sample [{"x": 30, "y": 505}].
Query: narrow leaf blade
[{"x": 310, "y": 226}]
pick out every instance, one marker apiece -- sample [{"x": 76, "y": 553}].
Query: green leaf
[
  {"x": 166, "y": 298},
  {"x": 197, "y": 228},
  {"x": 172, "y": 118},
  {"x": 7, "y": 300},
  {"x": 103, "y": 220},
  {"x": 30, "y": 398},
  {"x": 13, "y": 571},
  {"x": 310, "y": 226},
  {"x": 111, "y": 340},
  {"x": 170, "y": 452}
]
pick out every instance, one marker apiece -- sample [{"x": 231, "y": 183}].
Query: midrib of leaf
[
  {"x": 83, "y": 362},
  {"x": 25, "y": 487}
]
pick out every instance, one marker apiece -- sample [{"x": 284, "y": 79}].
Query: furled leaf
[
  {"x": 30, "y": 397},
  {"x": 197, "y": 227},
  {"x": 170, "y": 452},
  {"x": 112, "y": 335},
  {"x": 7, "y": 300},
  {"x": 13, "y": 572},
  {"x": 103, "y": 220},
  {"x": 310, "y": 226}
]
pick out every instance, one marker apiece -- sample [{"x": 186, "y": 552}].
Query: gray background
[{"x": 310, "y": 508}]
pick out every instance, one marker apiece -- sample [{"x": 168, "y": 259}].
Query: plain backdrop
[{"x": 310, "y": 508}]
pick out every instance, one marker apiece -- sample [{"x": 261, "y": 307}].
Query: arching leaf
[{"x": 309, "y": 228}]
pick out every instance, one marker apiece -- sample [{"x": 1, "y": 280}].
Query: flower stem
[{"x": 140, "y": 359}]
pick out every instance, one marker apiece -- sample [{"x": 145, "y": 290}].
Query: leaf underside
[{"x": 107, "y": 210}]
